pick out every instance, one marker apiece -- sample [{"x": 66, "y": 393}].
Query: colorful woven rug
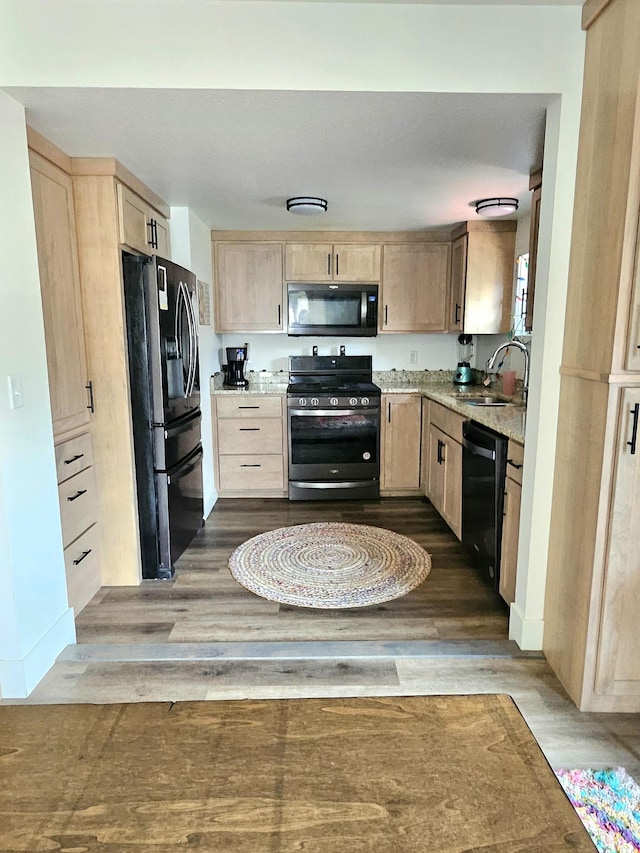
[
  {"x": 330, "y": 565},
  {"x": 608, "y": 803}
]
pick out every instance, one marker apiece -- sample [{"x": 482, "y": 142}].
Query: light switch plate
[{"x": 16, "y": 400}]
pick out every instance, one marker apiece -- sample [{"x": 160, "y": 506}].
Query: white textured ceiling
[{"x": 384, "y": 161}]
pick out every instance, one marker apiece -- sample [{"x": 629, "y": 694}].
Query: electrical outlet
[{"x": 413, "y": 356}]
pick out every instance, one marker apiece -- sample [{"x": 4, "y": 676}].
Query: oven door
[{"x": 334, "y": 444}]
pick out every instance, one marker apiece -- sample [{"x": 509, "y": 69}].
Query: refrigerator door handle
[
  {"x": 178, "y": 334},
  {"x": 193, "y": 340},
  {"x": 185, "y": 467}
]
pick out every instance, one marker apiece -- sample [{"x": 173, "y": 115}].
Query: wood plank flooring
[
  {"x": 204, "y": 637},
  {"x": 205, "y": 604}
]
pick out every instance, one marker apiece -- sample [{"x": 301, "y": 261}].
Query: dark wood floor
[{"x": 205, "y": 604}]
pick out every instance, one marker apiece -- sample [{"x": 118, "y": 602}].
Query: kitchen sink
[{"x": 491, "y": 401}]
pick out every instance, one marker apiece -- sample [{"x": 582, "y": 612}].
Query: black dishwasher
[{"x": 484, "y": 461}]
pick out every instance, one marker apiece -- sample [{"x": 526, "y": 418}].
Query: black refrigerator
[{"x": 162, "y": 336}]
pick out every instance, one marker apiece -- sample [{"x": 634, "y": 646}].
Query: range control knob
[
  {"x": 365, "y": 401},
  {"x": 334, "y": 401},
  {"x": 353, "y": 401},
  {"x": 314, "y": 401},
  {"x": 302, "y": 401}
]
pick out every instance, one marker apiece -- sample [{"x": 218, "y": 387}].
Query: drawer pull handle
[
  {"x": 249, "y": 429},
  {"x": 73, "y": 458},
  {"x": 513, "y": 464},
  {"x": 77, "y": 495},
  {"x": 634, "y": 431},
  {"x": 248, "y": 407},
  {"x": 255, "y": 465},
  {"x": 82, "y": 556}
]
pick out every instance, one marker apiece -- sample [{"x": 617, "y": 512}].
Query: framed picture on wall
[{"x": 204, "y": 303}]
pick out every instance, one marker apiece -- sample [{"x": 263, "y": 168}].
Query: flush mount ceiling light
[
  {"x": 306, "y": 205},
  {"x": 496, "y": 206}
]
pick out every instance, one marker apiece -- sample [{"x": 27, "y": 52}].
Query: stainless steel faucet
[{"x": 518, "y": 345}]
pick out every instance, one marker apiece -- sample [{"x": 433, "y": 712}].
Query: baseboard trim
[
  {"x": 527, "y": 633},
  {"x": 19, "y": 677}
]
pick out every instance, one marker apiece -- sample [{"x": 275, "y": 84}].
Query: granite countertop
[{"x": 435, "y": 384}]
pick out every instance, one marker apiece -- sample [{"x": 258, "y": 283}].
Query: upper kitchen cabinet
[
  {"x": 141, "y": 226},
  {"x": 249, "y": 287},
  {"x": 482, "y": 277},
  {"x": 415, "y": 278},
  {"x": 348, "y": 262},
  {"x": 61, "y": 296}
]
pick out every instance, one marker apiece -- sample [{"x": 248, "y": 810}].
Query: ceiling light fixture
[
  {"x": 496, "y": 206},
  {"x": 306, "y": 205}
]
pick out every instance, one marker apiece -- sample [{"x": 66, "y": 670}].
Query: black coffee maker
[{"x": 234, "y": 368}]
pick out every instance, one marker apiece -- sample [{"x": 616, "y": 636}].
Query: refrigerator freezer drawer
[
  {"x": 176, "y": 441},
  {"x": 180, "y": 509}
]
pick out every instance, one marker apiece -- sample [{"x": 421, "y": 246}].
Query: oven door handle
[{"x": 308, "y": 413}]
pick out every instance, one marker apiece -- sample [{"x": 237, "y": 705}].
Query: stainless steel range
[{"x": 334, "y": 428}]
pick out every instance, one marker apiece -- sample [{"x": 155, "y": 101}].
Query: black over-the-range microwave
[{"x": 332, "y": 308}]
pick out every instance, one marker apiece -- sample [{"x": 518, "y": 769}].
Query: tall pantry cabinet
[{"x": 592, "y": 629}]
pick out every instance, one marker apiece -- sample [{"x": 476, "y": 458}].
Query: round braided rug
[{"x": 330, "y": 565}]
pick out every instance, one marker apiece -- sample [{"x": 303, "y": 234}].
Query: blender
[{"x": 464, "y": 371}]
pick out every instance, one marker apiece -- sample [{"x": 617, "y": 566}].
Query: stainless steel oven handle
[
  {"x": 309, "y": 413},
  {"x": 338, "y": 484}
]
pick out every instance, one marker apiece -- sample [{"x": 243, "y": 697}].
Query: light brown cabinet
[
  {"x": 400, "y": 443},
  {"x": 591, "y": 635},
  {"x": 444, "y": 464},
  {"x": 415, "y": 285},
  {"x": 54, "y": 214},
  {"x": 250, "y": 445},
  {"x": 511, "y": 522},
  {"x": 79, "y": 515},
  {"x": 249, "y": 287},
  {"x": 482, "y": 277},
  {"x": 348, "y": 262},
  {"x": 141, "y": 226}
]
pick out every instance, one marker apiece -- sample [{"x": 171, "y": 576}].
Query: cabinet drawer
[
  {"x": 78, "y": 506},
  {"x": 73, "y": 456},
  {"x": 244, "y": 473},
  {"x": 445, "y": 419},
  {"x": 249, "y": 407},
  {"x": 250, "y": 435},
  {"x": 82, "y": 564},
  {"x": 515, "y": 457}
]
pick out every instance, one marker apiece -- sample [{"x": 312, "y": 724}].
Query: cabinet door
[
  {"x": 309, "y": 261},
  {"x": 424, "y": 447},
  {"x": 401, "y": 441},
  {"x": 414, "y": 287},
  {"x": 162, "y": 236},
  {"x": 458, "y": 276},
  {"x": 356, "y": 262},
  {"x": 61, "y": 297},
  {"x": 488, "y": 296},
  {"x": 618, "y": 670},
  {"x": 510, "y": 534},
  {"x": 436, "y": 444},
  {"x": 134, "y": 220},
  {"x": 249, "y": 287},
  {"x": 452, "y": 506}
]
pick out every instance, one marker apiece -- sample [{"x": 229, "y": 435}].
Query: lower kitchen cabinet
[
  {"x": 444, "y": 464},
  {"x": 250, "y": 445},
  {"x": 400, "y": 443},
  {"x": 511, "y": 522},
  {"x": 78, "y": 515}
]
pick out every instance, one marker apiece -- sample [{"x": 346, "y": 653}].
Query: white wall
[
  {"x": 191, "y": 248},
  {"x": 366, "y": 47},
  {"x": 35, "y": 620},
  {"x": 271, "y": 352}
]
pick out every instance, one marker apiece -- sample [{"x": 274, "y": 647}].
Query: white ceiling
[{"x": 384, "y": 161}]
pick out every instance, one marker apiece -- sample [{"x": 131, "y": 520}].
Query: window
[{"x": 520, "y": 299}]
